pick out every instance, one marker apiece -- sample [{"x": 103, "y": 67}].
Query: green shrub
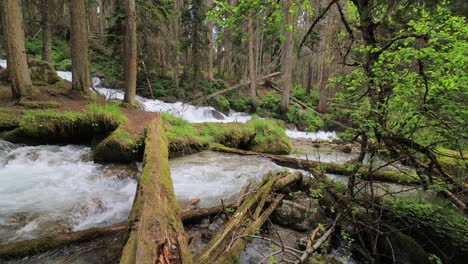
[
  {"x": 241, "y": 104},
  {"x": 221, "y": 103},
  {"x": 305, "y": 120},
  {"x": 300, "y": 93},
  {"x": 270, "y": 101},
  {"x": 64, "y": 65},
  {"x": 163, "y": 88}
]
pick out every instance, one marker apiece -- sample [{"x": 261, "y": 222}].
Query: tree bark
[
  {"x": 287, "y": 63},
  {"x": 79, "y": 47},
  {"x": 258, "y": 205},
  {"x": 20, "y": 80},
  {"x": 131, "y": 50},
  {"x": 210, "y": 45},
  {"x": 156, "y": 231},
  {"x": 46, "y": 31},
  {"x": 328, "y": 167},
  {"x": 252, "y": 73}
]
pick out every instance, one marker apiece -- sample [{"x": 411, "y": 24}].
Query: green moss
[
  {"x": 438, "y": 228},
  {"x": 9, "y": 120},
  {"x": 120, "y": 146},
  {"x": 49, "y": 126},
  {"x": 261, "y": 135},
  {"x": 39, "y": 104},
  {"x": 270, "y": 137},
  {"x": 453, "y": 162}
]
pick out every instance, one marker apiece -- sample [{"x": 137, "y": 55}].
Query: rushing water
[
  {"x": 213, "y": 176},
  {"x": 49, "y": 189}
]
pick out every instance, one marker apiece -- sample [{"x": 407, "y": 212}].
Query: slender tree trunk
[
  {"x": 287, "y": 63},
  {"x": 210, "y": 45},
  {"x": 131, "y": 53},
  {"x": 309, "y": 77},
  {"x": 252, "y": 73},
  {"x": 20, "y": 80},
  {"x": 79, "y": 47},
  {"x": 177, "y": 51},
  {"x": 219, "y": 59},
  {"x": 46, "y": 32},
  {"x": 93, "y": 20}
]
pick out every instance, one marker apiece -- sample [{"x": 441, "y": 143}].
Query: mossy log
[
  {"x": 345, "y": 169},
  {"x": 32, "y": 247},
  {"x": 156, "y": 233},
  {"x": 227, "y": 244}
]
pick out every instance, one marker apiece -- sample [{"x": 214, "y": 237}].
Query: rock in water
[{"x": 42, "y": 73}]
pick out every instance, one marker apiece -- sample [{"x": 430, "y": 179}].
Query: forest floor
[{"x": 61, "y": 98}]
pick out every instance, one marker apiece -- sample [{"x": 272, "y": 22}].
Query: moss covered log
[
  {"x": 32, "y": 247},
  {"x": 120, "y": 146},
  {"x": 156, "y": 231},
  {"x": 328, "y": 167},
  {"x": 247, "y": 220}
]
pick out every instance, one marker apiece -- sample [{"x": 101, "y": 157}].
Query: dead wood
[
  {"x": 232, "y": 88},
  {"x": 156, "y": 233}
]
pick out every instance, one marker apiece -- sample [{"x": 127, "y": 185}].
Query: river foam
[{"x": 47, "y": 189}]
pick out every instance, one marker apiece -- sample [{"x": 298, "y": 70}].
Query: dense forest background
[
  {"x": 187, "y": 49},
  {"x": 389, "y": 76}
]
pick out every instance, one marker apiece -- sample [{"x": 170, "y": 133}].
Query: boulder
[
  {"x": 42, "y": 73},
  {"x": 300, "y": 214}
]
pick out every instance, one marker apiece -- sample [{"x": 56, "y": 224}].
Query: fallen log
[
  {"x": 327, "y": 167},
  {"x": 32, "y": 247},
  {"x": 15, "y": 250},
  {"x": 237, "y": 86},
  {"x": 248, "y": 219},
  {"x": 156, "y": 233}
]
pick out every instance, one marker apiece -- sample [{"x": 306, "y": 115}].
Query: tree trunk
[
  {"x": 228, "y": 243},
  {"x": 156, "y": 231},
  {"x": 177, "y": 8},
  {"x": 309, "y": 77},
  {"x": 20, "y": 80},
  {"x": 79, "y": 47},
  {"x": 46, "y": 32},
  {"x": 93, "y": 20},
  {"x": 252, "y": 73},
  {"x": 287, "y": 63},
  {"x": 131, "y": 54},
  {"x": 210, "y": 45}
]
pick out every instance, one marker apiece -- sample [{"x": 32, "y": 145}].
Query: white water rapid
[{"x": 49, "y": 189}]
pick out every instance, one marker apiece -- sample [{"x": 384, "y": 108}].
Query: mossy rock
[
  {"x": 42, "y": 73},
  {"x": 120, "y": 146},
  {"x": 9, "y": 121},
  {"x": 270, "y": 137},
  {"x": 53, "y": 126},
  {"x": 260, "y": 135}
]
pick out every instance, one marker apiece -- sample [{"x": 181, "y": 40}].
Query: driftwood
[
  {"x": 327, "y": 167},
  {"x": 254, "y": 211},
  {"x": 237, "y": 86},
  {"x": 156, "y": 233},
  {"x": 32, "y": 247}
]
